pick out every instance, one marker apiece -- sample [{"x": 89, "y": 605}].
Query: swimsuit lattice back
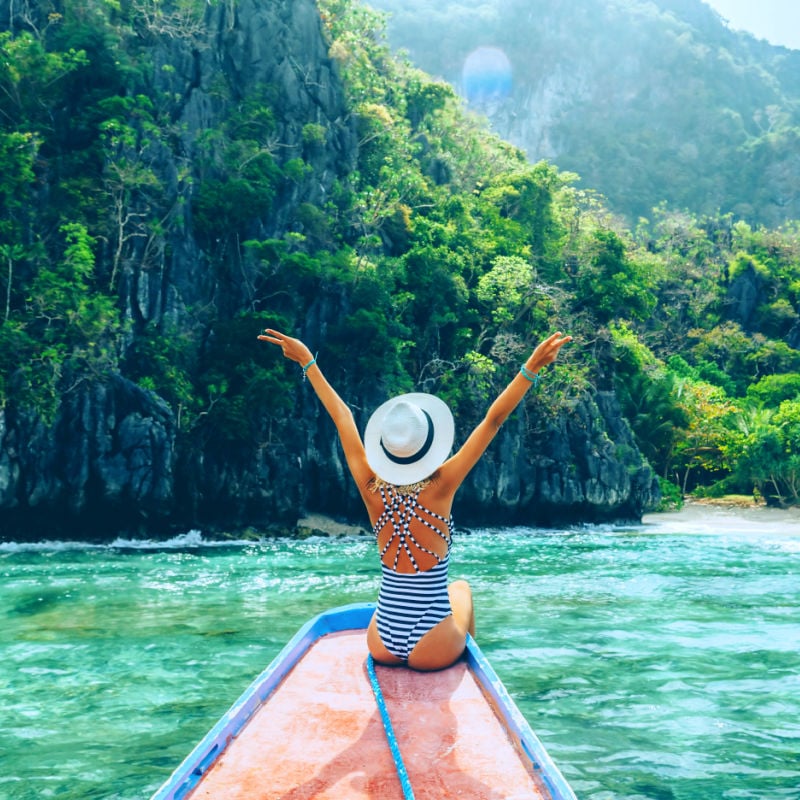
[{"x": 400, "y": 510}]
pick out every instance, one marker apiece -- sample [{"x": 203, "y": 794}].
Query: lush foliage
[
  {"x": 712, "y": 396},
  {"x": 443, "y": 253}
]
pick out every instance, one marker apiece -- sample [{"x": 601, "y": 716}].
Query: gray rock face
[
  {"x": 113, "y": 460},
  {"x": 105, "y": 466},
  {"x": 582, "y": 467}
]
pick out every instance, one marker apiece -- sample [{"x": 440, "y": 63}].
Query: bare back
[{"x": 411, "y": 535}]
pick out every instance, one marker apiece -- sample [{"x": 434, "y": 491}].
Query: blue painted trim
[
  {"x": 394, "y": 747},
  {"x": 517, "y": 727},
  {"x": 199, "y": 761}
]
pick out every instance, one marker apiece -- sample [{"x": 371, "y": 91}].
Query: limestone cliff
[{"x": 115, "y": 459}]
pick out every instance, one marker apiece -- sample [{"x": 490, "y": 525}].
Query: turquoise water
[{"x": 654, "y": 661}]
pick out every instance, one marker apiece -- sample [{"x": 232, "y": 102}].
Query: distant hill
[{"x": 649, "y": 101}]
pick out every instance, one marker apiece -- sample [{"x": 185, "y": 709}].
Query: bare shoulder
[
  {"x": 438, "y": 494},
  {"x": 372, "y": 500}
]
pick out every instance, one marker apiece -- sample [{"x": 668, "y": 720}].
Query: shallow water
[{"x": 659, "y": 660}]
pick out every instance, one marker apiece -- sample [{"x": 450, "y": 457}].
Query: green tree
[
  {"x": 613, "y": 284},
  {"x": 698, "y": 456},
  {"x": 163, "y": 363},
  {"x": 18, "y": 152},
  {"x": 771, "y": 390},
  {"x": 506, "y": 288},
  {"x": 135, "y": 195},
  {"x": 766, "y": 454},
  {"x": 729, "y": 349},
  {"x": 69, "y": 330},
  {"x": 651, "y": 404},
  {"x": 32, "y": 80}
]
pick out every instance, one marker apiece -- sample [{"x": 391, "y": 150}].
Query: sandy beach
[{"x": 732, "y": 515}]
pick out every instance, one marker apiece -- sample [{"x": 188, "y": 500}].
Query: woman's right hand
[
  {"x": 293, "y": 349},
  {"x": 547, "y": 351}
]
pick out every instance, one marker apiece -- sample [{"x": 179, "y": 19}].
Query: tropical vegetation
[{"x": 448, "y": 251}]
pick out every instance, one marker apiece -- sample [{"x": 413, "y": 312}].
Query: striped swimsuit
[{"x": 410, "y": 604}]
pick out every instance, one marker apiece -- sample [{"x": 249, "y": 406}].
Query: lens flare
[{"x": 486, "y": 76}]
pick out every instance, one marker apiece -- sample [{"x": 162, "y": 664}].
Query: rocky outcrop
[
  {"x": 112, "y": 459},
  {"x": 105, "y": 466},
  {"x": 581, "y": 466},
  {"x": 112, "y": 463},
  {"x": 249, "y": 48},
  {"x": 746, "y": 293}
]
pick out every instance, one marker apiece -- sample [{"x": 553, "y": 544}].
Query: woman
[{"x": 407, "y": 483}]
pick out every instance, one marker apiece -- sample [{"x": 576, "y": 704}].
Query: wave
[
  {"x": 770, "y": 526},
  {"x": 190, "y": 539},
  {"x": 194, "y": 539}
]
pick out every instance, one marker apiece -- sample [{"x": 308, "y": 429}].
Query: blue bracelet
[
  {"x": 533, "y": 377},
  {"x": 305, "y": 368}
]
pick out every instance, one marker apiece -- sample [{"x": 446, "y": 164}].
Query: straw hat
[{"x": 409, "y": 437}]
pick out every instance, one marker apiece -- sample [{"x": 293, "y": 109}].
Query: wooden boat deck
[{"x": 321, "y": 737}]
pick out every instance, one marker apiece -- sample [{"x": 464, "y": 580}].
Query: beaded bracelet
[
  {"x": 533, "y": 377},
  {"x": 305, "y": 368}
]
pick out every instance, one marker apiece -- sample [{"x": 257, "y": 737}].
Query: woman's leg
[
  {"x": 376, "y": 646},
  {"x": 443, "y": 644}
]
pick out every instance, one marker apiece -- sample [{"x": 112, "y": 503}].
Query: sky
[{"x": 777, "y": 21}]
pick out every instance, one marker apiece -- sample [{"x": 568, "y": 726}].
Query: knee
[
  {"x": 460, "y": 589},
  {"x": 460, "y": 597},
  {"x": 462, "y": 605}
]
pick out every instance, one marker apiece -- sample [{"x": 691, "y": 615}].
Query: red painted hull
[{"x": 319, "y": 734}]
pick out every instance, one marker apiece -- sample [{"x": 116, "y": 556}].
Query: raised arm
[
  {"x": 338, "y": 410},
  {"x": 457, "y": 467}
]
